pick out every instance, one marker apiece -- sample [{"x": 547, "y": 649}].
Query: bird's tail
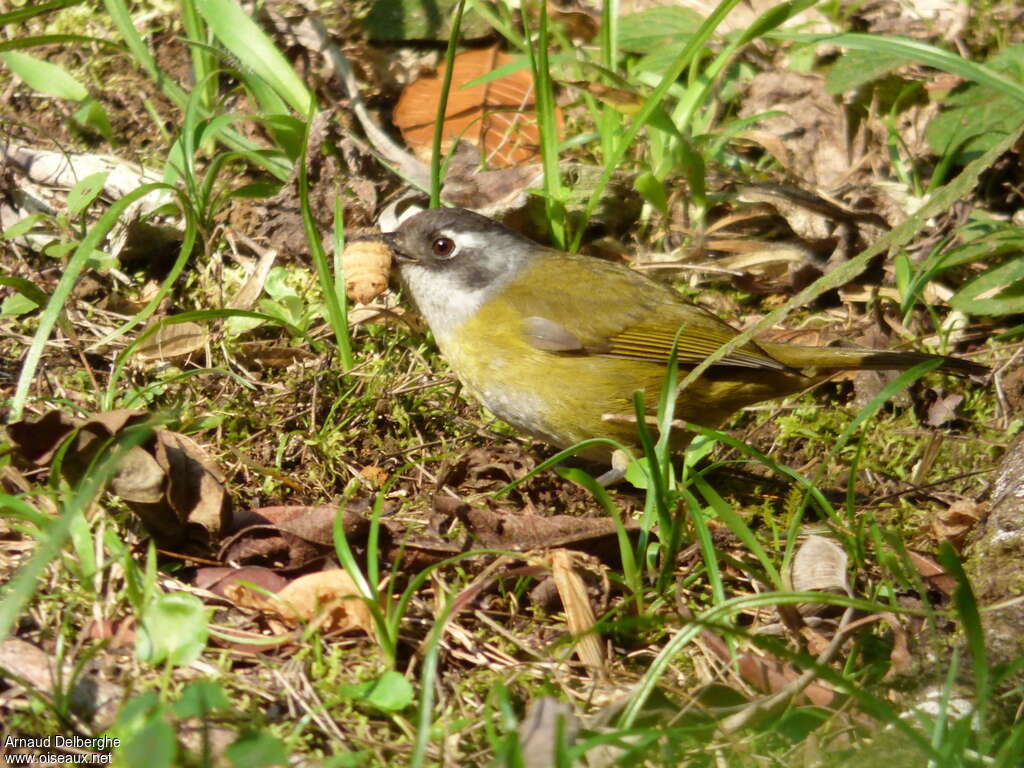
[{"x": 846, "y": 358}]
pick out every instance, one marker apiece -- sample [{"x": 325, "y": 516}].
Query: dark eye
[{"x": 443, "y": 247}]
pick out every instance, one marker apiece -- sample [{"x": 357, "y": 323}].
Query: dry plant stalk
[{"x": 578, "y": 613}]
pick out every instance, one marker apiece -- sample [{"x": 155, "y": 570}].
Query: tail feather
[{"x": 846, "y": 358}]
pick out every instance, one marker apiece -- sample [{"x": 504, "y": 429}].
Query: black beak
[{"x": 390, "y": 239}]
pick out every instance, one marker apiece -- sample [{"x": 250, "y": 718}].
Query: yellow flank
[{"x": 538, "y": 391}]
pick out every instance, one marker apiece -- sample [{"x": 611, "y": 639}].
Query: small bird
[{"x": 556, "y": 344}]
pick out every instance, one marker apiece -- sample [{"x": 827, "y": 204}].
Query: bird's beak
[{"x": 390, "y": 239}]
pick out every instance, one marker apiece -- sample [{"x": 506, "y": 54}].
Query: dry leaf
[
  {"x": 773, "y": 675},
  {"x": 809, "y": 126},
  {"x": 819, "y": 564},
  {"x": 289, "y": 537},
  {"x": 933, "y": 573},
  {"x": 524, "y": 532},
  {"x": 493, "y": 193},
  {"x": 766, "y": 672},
  {"x": 498, "y": 116},
  {"x": 90, "y": 697},
  {"x": 169, "y": 482},
  {"x": 954, "y": 523},
  {"x": 539, "y": 731},
  {"x": 271, "y": 354},
  {"x": 329, "y": 598},
  {"x": 253, "y": 287},
  {"x": 173, "y": 340},
  {"x": 943, "y": 410},
  {"x": 219, "y": 579}
]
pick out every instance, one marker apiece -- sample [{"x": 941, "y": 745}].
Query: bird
[{"x": 555, "y": 344}]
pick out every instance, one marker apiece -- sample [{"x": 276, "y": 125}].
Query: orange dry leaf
[
  {"x": 367, "y": 265},
  {"x": 498, "y": 116},
  {"x": 329, "y": 598}
]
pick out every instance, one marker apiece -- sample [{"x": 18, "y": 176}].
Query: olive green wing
[{"x": 580, "y": 305}]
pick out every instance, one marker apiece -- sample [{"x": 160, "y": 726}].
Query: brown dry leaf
[
  {"x": 195, "y": 493},
  {"x": 524, "y": 532},
  {"x": 289, "y": 537},
  {"x": 169, "y": 482},
  {"x": 578, "y": 21},
  {"x": 140, "y": 478},
  {"x": 546, "y": 718},
  {"x": 173, "y": 340},
  {"x": 932, "y": 572},
  {"x": 808, "y": 124},
  {"x": 619, "y": 99},
  {"x": 119, "y": 633},
  {"x": 498, "y": 116},
  {"x": 899, "y": 658},
  {"x": 151, "y": 247},
  {"x": 943, "y": 409},
  {"x": 494, "y": 193},
  {"x": 219, "y": 579},
  {"x": 918, "y": 20},
  {"x": 954, "y": 523},
  {"x": 765, "y": 672},
  {"x": 329, "y": 598},
  {"x": 269, "y": 354},
  {"x": 772, "y": 675},
  {"x": 89, "y": 696},
  {"x": 385, "y": 316},
  {"x": 819, "y": 565},
  {"x": 485, "y": 468},
  {"x": 579, "y": 614},
  {"x": 253, "y": 287}
]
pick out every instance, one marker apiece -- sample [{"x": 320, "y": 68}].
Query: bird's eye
[{"x": 443, "y": 247}]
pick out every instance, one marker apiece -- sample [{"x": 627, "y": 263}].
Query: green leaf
[
  {"x": 24, "y": 226},
  {"x": 1008, "y": 277},
  {"x": 656, "y": 28},
  {"x": 26, "y": 289},
  {"x": 856, "y": 68},
  {"x": 154, "y": 745},
  {"x": 236, "y": 326},
  {"x": 200, "y": 698},
  {"x": 255, "y": 749},
  {"x": 637, "y": 473},
  {"x": 979, "y": 115},
  {"x": 92, "y": 115},
  {"x": 401, "y": 20},
  {"x": 699, "y": 447},
  {"x": 653, "y": 191},
  {"x": 391, "y": 692},
  {"x": 347, "y": 760},
  {"x": 20, "y": 15},
  {"x": 276, "y": 285},
  {"x": 45, "y": 77},
  {"x": 174, "y": 630},
  {"x": 147, "y": 739},
  {"x": 257, "y": 52},
  {"x": 903, "y": 275},
  {"x": 85, "y": 191}
]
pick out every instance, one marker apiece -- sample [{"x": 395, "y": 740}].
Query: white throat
[{"x": 444, "y": 309}]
